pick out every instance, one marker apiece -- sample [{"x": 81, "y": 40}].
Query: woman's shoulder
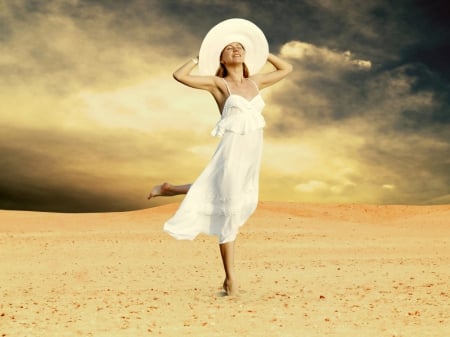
[
  {"x": 256, "y": 79},
  {"x": 220, "y": 85}
]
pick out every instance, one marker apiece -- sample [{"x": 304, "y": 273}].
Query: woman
[{"x": 226, "y": 193}]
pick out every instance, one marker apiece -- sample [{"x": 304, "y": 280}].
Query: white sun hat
[{"x": 226, "y": 32}]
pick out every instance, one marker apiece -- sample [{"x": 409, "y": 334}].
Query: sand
[{"x": 305, "y": 270}]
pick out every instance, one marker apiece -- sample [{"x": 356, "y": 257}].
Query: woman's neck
[{"x": 235, "y": 74}]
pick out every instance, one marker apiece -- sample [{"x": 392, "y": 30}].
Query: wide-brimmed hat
[{"x": 226, "y": 32}]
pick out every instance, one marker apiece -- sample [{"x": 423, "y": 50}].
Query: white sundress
[{"x": 225, "y": 194}]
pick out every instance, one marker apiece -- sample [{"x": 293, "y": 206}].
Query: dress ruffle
[
  {"x": 239, "y": 116},
  {"x": 214, "y": 217}
]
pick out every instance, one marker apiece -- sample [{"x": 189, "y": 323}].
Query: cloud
[
  {"x": 91, "y": 116},
  {"x": 361, "y": 125},
  {"x": 311, "y": 186},
  {"x": 90, "y": 112},
  {"x": 308, "y": 53}
]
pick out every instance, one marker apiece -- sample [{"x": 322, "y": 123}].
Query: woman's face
[{"x": 233, "y": 53}]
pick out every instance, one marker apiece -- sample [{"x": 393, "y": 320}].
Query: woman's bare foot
[
  {"x": 231, "y": 288},
  {"x": 168, "y": 190},
  {"x": 161, "y": 190}
]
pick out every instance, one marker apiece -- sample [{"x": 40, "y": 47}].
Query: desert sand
[{"x": 305, "y": 270}]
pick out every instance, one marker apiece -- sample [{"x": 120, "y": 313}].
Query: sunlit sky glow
[{"x": 91, "y": 117}]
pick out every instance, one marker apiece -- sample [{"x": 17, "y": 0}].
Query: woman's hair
[{"x": 222, "y": 70}]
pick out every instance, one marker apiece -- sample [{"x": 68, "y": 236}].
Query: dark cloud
[
  {"x": 433, "y": 26},
  {"x": 401, "y": 114},
  {"x": 51, "y": 171},
  {"x": 82, "y": 43},
  {"x": 72, "y": 171}
]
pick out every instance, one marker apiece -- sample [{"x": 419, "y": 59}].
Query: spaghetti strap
[
  {"x": 228, "y": 88},
  {"x": 256, "y": 86}
]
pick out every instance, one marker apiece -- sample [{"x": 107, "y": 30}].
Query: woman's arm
[
  {"x": 183, "y": 75},
  {"x": 282, "y": 69}
]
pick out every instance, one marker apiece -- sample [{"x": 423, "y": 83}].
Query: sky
[{"x": 91, "y": 118}]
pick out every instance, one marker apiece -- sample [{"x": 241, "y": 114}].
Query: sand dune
[{"x": 305, "y": 270}]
